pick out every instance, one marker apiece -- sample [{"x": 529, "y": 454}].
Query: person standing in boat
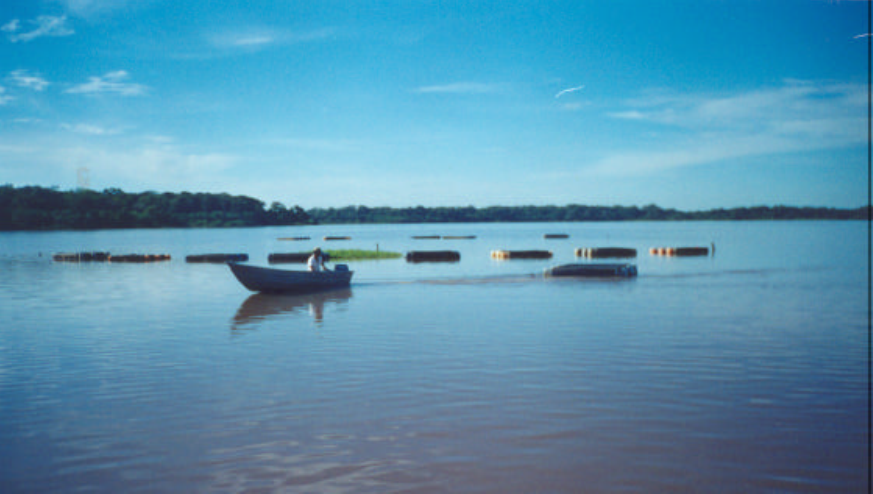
[{"x": 316, "y": 261}]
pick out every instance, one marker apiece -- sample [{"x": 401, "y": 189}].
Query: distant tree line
[
  {"x": 38, "y": 208},
  {"x": 572, "y": 212}
]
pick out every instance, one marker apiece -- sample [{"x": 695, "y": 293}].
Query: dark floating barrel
[
  {"x": 606, "y": 252},
  {"x": 426, "y": 237},
  {"x": 692, "y": 251},
  {"x": 81, "y": 257},
  {"x": 593, "y": 271},
  {"x": 288, "y": 257},
  {"x": 520, "y": 254},
  {"x": 217, "y": 258},
  {"x": 292, "y": 257},
  {"x": 433, "y": 256},
  {"x": 337, "y": 238},
  {"x": 555, "y": 235},
  {"x": 679, "y": 251},
  {"x": 140, "y": 258}
]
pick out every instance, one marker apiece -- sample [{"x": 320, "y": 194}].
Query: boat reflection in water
[{"x": 262, "y": 306}]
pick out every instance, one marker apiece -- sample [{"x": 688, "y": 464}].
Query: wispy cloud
[
  {"x": 23, "y": 78},
  {"x": 315, "y": 144},
  {"x": 126, "y": 161},
  {"x": 243, "y": 39},
  {"x": 90, "y": 129},
  {"x": 150, "y": 166},
  {"x": 88, "y": 8},
  {"x": 44, "y": 25},
  {"x": 461, "y": 88},
  {"x": 112, "y": 82},
  {"x": 4, "y": 98},
  {"x": 263, "y": 37},
  {"x": 569, "y": 90},
  {"x": 11, "y": 27},
  {"x": 798, "y": 116}
]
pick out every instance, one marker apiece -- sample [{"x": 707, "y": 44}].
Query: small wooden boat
[{"x": 260, "y": 279}]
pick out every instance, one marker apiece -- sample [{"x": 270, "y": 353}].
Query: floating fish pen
[
  {"x": 426, "y": 237},
  {"x": 520, "y": 254},
  {"x": 81, "y": 257},
  {"x": 556, "y": 235},
  {"x": 433, "y": 256},
  {"x": 459, "y": 237},
  {"x": 293, "y": 238},
  {"x": 337, "y": 238},
  {"x": 140, "y": 258},
  {"x": 592, "y": 271},
  {"x": 293, "y": 257},
  {"x": 679, "y": 251},
  {"x": 606, "y": 252},
  {"x": 217, "y": 258}
]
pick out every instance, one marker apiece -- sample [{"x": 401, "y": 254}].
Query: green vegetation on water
[{"x": 360, "y": 255}]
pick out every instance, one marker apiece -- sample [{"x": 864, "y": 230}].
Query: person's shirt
[{"x": 315, "y": 263}]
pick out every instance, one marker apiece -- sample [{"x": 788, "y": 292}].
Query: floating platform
[
  {"x": 458, "y": 237},
  {"x": 140, "y": 258},
  {"x": 81, "y": 257},
  {"x": 426, "y": 237},
  {"x": 592, "y": 271},
  {"x": 337, "y": 238},
  {"x": 679, "y": 251},
  {"x": 433, "y": 256},
  {"x": 520, "y": 254},
  {"x": 217, "y": 258},
  {"x": 605, "y": 252},
  {"x": 555, "y": 235},
  {"x": 293, "y": 238},
  {"x": 293, "y": 257}
]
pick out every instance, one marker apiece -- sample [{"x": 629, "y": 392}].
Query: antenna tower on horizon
[{"x": 83, "y": 178}]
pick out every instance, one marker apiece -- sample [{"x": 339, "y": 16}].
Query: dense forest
[
  {"x": 572, "y": 212},
  {"x": 38, "y": 208}
]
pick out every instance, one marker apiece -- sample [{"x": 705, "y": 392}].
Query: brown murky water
[{"x": 744, "y": 372}]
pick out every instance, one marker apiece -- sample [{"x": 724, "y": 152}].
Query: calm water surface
[{"x": 740, "y": 372}]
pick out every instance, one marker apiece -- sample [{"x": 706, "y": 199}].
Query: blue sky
[{"x": 684, "y": 104}]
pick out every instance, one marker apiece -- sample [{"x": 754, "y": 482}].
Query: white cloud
[
  {"x": 12, "y": 26},
  {"x": 4, "y": 98},
  {"x": 23, "y": 78},
  {"x": 311, "y": 144},
  {"x": 112, "y": 82},
  {"x": 90, "y": 129},
  {"x": 798, "y": 116},
  {"x": 569, "y": 90},
  {"x": 262, "y": 37},
  {"x": 255, "y": 40},
  {"x": 576, "y": 106},
  {"x": 247, "y": 39},
  {"x": 461, "y": 88},
  {"x": 45, "y": 25}
]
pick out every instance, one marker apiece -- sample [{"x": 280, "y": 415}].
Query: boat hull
[{"x": 260, "y": 279}]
